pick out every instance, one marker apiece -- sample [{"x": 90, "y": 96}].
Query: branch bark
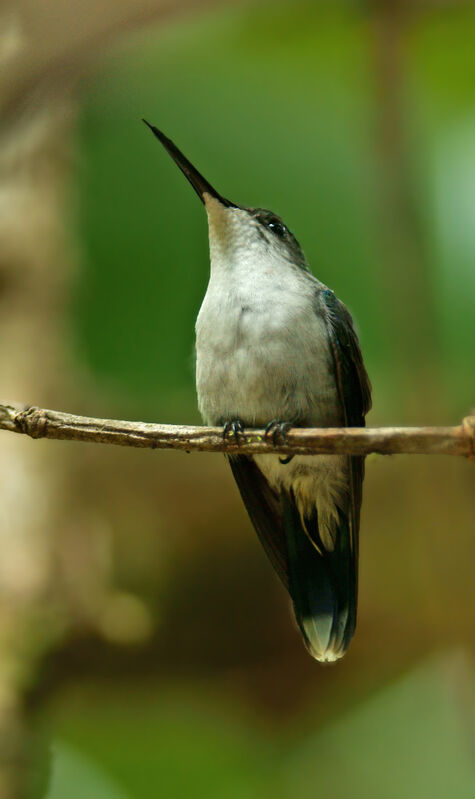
[{"x": 44, "y": 423}]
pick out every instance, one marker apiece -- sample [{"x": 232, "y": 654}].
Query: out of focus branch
[
  {"x": 404, "y": 270},
  {"x": 43, "y": 423}
]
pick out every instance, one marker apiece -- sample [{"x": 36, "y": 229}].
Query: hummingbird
[{"x": 275, "y": 348}]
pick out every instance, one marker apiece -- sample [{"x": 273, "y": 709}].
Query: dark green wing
[
  {"x": 264, "y": 507},
  {"x": 354, "y": 391},
  {"x": 353, "y": 384}
]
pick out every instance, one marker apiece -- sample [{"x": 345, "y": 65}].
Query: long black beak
[{"x": 199, "y": 183}]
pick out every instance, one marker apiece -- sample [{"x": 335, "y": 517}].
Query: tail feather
[{"x": 322, "y": 584}]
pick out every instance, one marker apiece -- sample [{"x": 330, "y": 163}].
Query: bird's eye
[{"x": 277, "y": 227}]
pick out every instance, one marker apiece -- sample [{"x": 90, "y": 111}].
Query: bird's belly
[
  {"x": 243, "y": 385},
  {"x": 259, "y": 365}
]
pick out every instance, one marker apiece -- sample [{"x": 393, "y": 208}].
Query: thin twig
[{"x": 43, "y": 423}]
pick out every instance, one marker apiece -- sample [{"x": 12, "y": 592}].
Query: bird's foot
[
  {"x": 278, "y": 430},
  {"x": 233, "y": 427}
]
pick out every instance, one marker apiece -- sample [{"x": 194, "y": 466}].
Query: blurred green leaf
[
  {"x": 175, "y": 744},
  {"x": 411, "y": 740},
  {"x": 77, "y": 777}
]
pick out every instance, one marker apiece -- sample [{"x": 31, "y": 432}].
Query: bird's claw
[
  {"x": 276, "y": 430},
  {"x": 285, "y": 461},
  {"x": 234, "y": 427}
]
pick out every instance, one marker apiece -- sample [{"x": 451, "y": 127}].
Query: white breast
[{"x": 262, "y": 351}]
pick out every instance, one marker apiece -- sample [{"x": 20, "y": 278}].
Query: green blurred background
[
  {"x": 356, "y": 123},
  {"x": 285, "y": 106}
]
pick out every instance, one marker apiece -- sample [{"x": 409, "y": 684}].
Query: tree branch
[{"x": 43, "y": 423}]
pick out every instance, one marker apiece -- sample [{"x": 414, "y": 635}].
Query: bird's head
[{"x": 238, "y": 233}]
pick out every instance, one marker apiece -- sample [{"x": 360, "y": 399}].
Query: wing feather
[
  {"x": 264, "y": 507},
  {"x": 354, "y": 390}
]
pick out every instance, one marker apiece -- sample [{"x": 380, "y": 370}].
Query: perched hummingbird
[{"x": 275, "y": 348}]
